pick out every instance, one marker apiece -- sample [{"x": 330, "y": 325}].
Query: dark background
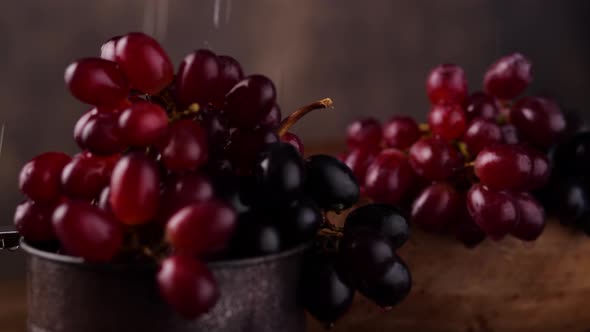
[{"x": 371, "y": 57}]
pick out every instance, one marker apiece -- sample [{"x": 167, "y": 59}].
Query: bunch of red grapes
[
  {"x": 471, "y": 169},
  {"x": 182, "y": 169}
]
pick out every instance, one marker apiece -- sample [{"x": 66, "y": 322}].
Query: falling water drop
[
  {"x": 216, "y": 10},
  {"x": 2, "y": 138}
]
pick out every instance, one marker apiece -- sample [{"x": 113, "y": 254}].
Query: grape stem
[{"x": 298, "y": 114}]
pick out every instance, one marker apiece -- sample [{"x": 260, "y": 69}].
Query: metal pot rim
[{"x": 224, "y": 264}]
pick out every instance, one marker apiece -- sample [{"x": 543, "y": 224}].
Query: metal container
[{"x": 66, "y": 294}]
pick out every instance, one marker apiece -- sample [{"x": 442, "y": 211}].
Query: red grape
[
  {"x": 182, "y": 190},
  {"x": 143, "y": 124},
  {"x": 86, "y": 231},
  {"x": 96, "y": 81},
  {"x": 79, "y": 127},
  {"x": 293, "y": 140},
  {"x": 541, "y": 170},
  {"x": 196, "y": 78},
  {"x": 531, "y": 218},
  {"x": 364, "y": 133},
  {"x": 480, "y": 134},
  {"x": 187, "y": 285},
  {"x": 447, "y": 121},
  {"x": 401, "y": 132},
  {"x": 434, "y": 158},
  {"x": 230, "y": 73},
  {"x": 481, "y": 105},
  {"x": 538, "y": 120},
  {"x": 446, "y": 84},
  {"x": 358, "y": 160},
  {"x": 508, "y": 77},
  {"x": 465, "y": 228},
  {"x": 436, "y": 207},
  {"x": 86, "y": 175},
  {"x": 33, "y": 221},
  {"x": 389, "y": 177},
  {"x": 101, "y": 134},
  {"x": 503, "y": 167},
  {"x": 495, "y": 212},
  {"x": 250, "y": 100},
  {"x": 185, "y": 146},
  {"x": 273, "y": 118},
  {"x": 201, "y": 228},
  {"x": 143, "y": 61},
  {"x": 40, "y": 178},
  {"x": 108, "y": 49},
  {"x": 135, "y": 189}
]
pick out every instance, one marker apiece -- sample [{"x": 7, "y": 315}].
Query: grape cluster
[
  {"x": 471, "y": 168},
  {"x": 184, "y": 168}
]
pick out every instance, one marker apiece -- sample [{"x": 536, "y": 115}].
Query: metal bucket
[{"x": 66, "y": 294}]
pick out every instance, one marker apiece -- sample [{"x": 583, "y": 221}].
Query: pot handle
[{"x": 9, "y": 240}]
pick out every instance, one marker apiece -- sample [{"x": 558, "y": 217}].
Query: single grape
[
  {"x": 434, "y": 159},
  {"x": 382, "y": 219},
  {"x": 482, "y": 133},
  {"x": 39, "y": 179},
  {"x": 187, "y": 285},
  {"x": 256, "y": 236},
  {"x": 184, "y": 147},
  {"x": 447, "y": 121},
  {"x": 508, "y": 77},
  {"x": 481, "y": 105},
  {"x": 201, "y": 228},
  {"x": 466, "y": 229},
  {"x": 446, "y": 84},
  {"x": 280, "y": 172},
  {"x": 325, "y": 294},
  {"x": 389, "y": 177},
  {"x": 250, "y": 100},
  {"x": 86, "y": 175},
  {"x": 538, "y": 120},
  {"x": 504, "y": 167},
  {"x": 79, "y": 127},
  {"x": 301, "y": 221},
  {"x": 273, "y": 119},
  {"x": 182, "y": 190},
  {"x": 96, "y": 81},
  {"x": 401, "y": 132},
  {"x": 135, "y": 189},
  {"x": 101, "y": 134},
  {"x": 436, "y": 207},
  {"x": 510, "y": 134},
  {"x": 330, "y": 183},
  {"x": 570, "y": 202},
  {"x": 33, "y": 221},
  {"x": 108, "y": 49},
  {"x": 531, "y": 220},
  {"x": 230, "y": 73},
  {"x": 359, "y": 160},
  {"x": 364, "y": 133},
  {"x": 295, "y": 141},
  {"x": 245, "y": 145},
  {"x": 145, "y": 64},
  {"x": 541, "y": 169},
  {"x": 572, "y": 157},
  {"x": 86, "y": 231},
  {"x": 143, "y": 124},
  {"x": 495, "y": 212},
  {"x": 196, "y": 78}
]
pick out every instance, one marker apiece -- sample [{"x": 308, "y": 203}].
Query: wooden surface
[{"x": 505, "y": 286}]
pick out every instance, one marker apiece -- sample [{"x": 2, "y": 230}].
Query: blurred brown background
[{"x": 371, "y": 57}]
